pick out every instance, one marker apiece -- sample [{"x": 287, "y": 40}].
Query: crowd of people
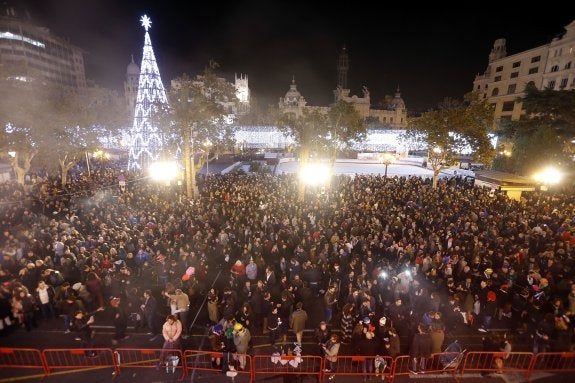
[{"x": 395, "y": 263}]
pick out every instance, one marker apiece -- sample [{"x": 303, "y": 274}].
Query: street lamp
[{"x": 386, "y": 159}]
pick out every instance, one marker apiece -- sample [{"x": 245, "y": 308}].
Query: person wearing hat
[
  {"x": 120, "y": 319},
  {"x": 488, "y": 309},
  {"x": 242, "y": 338},
  {"x": 216, "y": 344}
]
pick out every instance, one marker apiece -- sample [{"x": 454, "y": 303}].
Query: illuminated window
[{"x": 13, "y": 36}]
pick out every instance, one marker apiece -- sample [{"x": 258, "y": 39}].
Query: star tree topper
[{"x": 146, "y": 22}]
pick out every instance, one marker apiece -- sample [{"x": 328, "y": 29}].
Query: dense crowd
[{"x": 390, "y": 259}]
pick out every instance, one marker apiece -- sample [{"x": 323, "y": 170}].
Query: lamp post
[{"x": 386, "y": 159}]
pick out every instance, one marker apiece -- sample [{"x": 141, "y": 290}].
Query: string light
[{"x": 145, "y": 137}]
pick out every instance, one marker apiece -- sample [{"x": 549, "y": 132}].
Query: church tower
[
  {"x": 131, "y": 85},
  {"x": 242, "y": 93},
  {"x": 342, "y": 68}
]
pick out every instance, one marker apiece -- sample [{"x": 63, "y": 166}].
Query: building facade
[
  {"x": 38, "y": 52},
  {"x": 131, "y": 86},
  {"x": 394, "y": 116},
  {"x": 548, "y": 66}
]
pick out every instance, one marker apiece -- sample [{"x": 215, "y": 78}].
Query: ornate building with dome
[{"x": 394, "y": 116}]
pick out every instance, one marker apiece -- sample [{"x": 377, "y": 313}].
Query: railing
[
  {"x": 553, "y": 362},
  {"x": 259, "y": 367},
  {"x": 498, "y": 362},
  {"x": 78, "y": 359},
  {"x": 169, "y": 359},
  {"x": 216, "y": 363},
  {"x": 366, "y": 366},
  {"x": 22, "y": 358},
  {"x": 266, "y": 365}
]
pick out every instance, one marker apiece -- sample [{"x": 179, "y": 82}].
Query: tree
[
  {"x": 50, "y": 123},
  {"x": 322, "y": 134},
  {"x": 546, "y": 131},
  {"x": 345, "y": 126},
  {"x": 21, "y": 114},
  {"x": 196, "y": 114},
  {"x": 77, "y": 122},
  {"x": 454, "y": 128},
  {"x": 309, "y": 131}
]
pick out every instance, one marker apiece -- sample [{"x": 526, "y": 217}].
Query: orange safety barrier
[
  {"x": 499, "y": 362},
  {"x": 401, "y": 366},
  {"x": 169, "y": 360},
  {"x": 553, "y": 362},
  {"x": 22, "y": 358},
  {"x": 78, "y": 358},
  {"x": 212, "y": 362},
  {"x": 439, "y": 363},
  {"x": 266, "y": 365},
  {"x": 366, "y": 366}
]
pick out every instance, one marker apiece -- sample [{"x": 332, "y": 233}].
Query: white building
[
  {"x": 548, "y": 66},
  {"x": 131, "y": 85},
  {"x": 38, "y": 52}
]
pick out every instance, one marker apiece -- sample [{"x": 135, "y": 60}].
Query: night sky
[{"x": 430, "y": 54}]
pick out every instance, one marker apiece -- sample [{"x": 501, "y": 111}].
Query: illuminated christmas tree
[{"x": 146, "y": 139}]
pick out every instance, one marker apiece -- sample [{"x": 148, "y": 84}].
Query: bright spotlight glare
[
  {"x": 315, "y": 174},
  {"x": 408, "y": 273},
  {"x": 163, "y": 171},
  {"x": 383, "y": 275},
  {"x": 549, "y": 176}
]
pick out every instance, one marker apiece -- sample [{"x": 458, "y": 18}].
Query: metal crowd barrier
[
  {"x": 22, "y": 358},
  {"x": 498, "y": 362},
  {"x": 266, "y": 365},
  {"x": 366, "y": 366},
  {"x": 215, "y": 363},
  {"x": 170, "y": 360},
  {"x": 261, "y": 367},
  {"x": 439, "y": 363},
  {"x": 78, "y": 358},
  {"x": 553, "y": 362}
]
